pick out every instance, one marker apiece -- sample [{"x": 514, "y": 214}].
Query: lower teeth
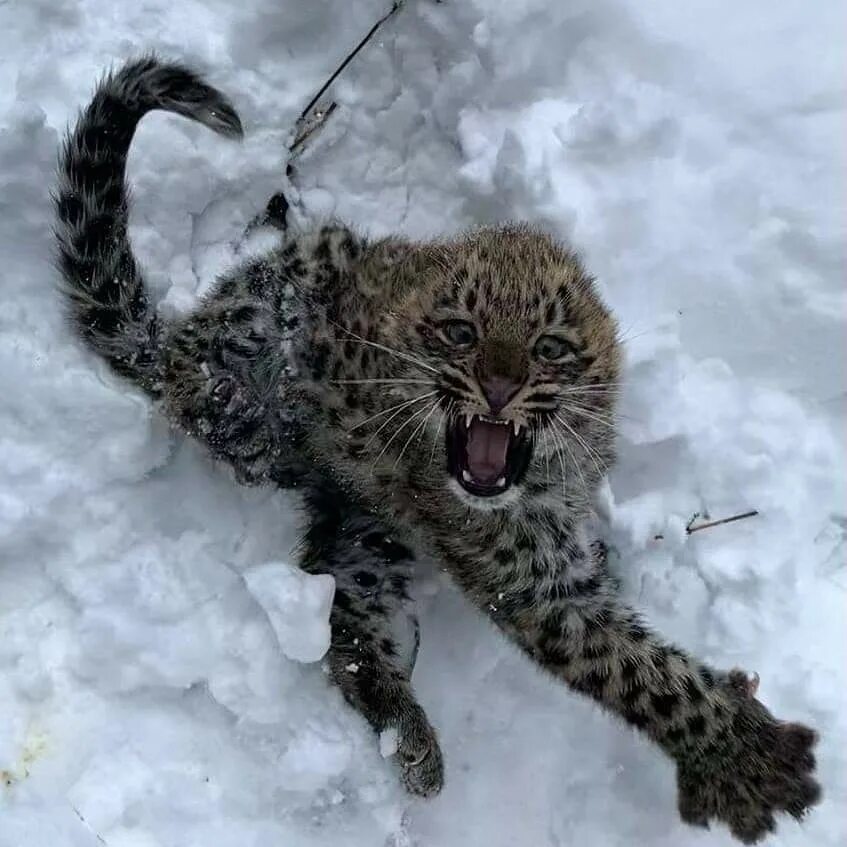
[{"x": 501, "y": 483}]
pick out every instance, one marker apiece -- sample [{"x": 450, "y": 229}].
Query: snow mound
[{"x": 160, "y": 681}]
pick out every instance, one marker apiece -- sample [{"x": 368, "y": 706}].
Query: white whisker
[
  {"x": 396, "y": 433},
  {"x": 444, "y": 414},
  {"x": 415, "y": 431},
  {"x": 603, "y": 388},
  {"x": 546, "y": 453},
  {"x": 382, "y": 381},
  {"x": 590, "y": 452},
  {"x": 400, "y": 405},
  {"x": 581, "y": 410},
  {"x": 560, "y": 441},
  {"x": 405, "y": 356}
]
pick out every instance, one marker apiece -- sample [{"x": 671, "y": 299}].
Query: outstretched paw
[
  {"x": 754, "y": 767},
  {"x": 419, "y": 756}
]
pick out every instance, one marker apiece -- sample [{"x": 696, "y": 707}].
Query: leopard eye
[
  {"x": 459, "y": 333},
  {"x": 551, "y": 348}
]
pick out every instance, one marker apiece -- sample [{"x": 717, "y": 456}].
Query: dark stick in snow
[{"x": 313, "y": 118}]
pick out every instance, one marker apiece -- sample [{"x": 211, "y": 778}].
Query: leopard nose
[{"x": 498, "y": 391}]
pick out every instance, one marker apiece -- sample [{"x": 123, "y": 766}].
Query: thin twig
[
  {"x": 304, "y": 126},
  {"x": 88, "y": 826},
  {"x": 690, "y": 527},
  {"x": 308, "y": 130},
  {"x": 751, "y": 514}
]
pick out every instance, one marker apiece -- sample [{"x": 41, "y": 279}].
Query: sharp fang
[
  {"x": 466, "y": 476},
  {"x": 501, "y": 483},
  {"x": 517, "y": 427},
  {"x": 468, "y": 419}
]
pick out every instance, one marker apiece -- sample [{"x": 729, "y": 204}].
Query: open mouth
[{"x": 487, "y": 456}]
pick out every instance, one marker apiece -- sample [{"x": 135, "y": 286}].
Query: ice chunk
[{"x": 297, "y": 605}]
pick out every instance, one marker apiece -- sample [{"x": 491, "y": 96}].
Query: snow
[
  {"x": 160, "y": 675},
  {"x": 297, "y": 605}
]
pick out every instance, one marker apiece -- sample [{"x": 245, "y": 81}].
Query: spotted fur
[{"x": 325, "y": 364}]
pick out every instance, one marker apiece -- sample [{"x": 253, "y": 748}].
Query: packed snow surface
[{"x": 160, "y": 674}]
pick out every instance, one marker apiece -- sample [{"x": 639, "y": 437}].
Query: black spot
[
  {"x": 523, "y": 599},
  {"x": 659, "y": 655},
  {"x": 365, "y": 578},
  {"x": 322, "y": 250},
  {"x": 629, "y": 668},
  {"x": 665, "y": 704},
  {"x": 318, "y": 359},
  {"x": 470, "y": 299},
  {"x": 587, "y": 586},
  {"x": 596, "y": 650},
  {"x": 538, "y": 398},
  {"x": 503, "y": 556},
  {"x": 695, "y": 695},
  {"x": 592, "y": 684},
  {"x": 387, "y": 647},
  {"x": 636, "y": 717},
  {"x": 452, "y": 381},
  {"x": 553, "y": 652},
  {"x": 551, "y": 313},
  {"x": 697, "y": 725},
  {"x": 632, "y": 694},
  {"x": 342, "y": 600},
  {"x": 524, "y": 541},
  {"x": 296, "y": 268},
  {"x": 554, "y": 624},
  {"x": 348, "y": 246},
  {"x": 675, "y": 735}
]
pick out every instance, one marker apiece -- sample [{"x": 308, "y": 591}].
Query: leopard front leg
[
  {"x": 374, "y": 628},
  {"x": 736, "y": 763},
  {"x": 225, "y": 385}
]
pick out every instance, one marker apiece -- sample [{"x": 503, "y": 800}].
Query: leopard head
[{"x": 501, "y": 364}]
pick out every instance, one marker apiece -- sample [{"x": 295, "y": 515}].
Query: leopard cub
[{"x": 451, "y": 399}]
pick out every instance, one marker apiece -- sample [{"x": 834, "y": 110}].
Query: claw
[{"x": 410, "y": 763}]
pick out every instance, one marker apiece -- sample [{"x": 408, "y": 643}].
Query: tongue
[{"x": 488, "y": 445}]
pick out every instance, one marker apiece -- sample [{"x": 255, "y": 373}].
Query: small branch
[
  {"x": 88, "y": 826},
  {"x": 309, "y": 128},
  {"x": 690, "y": 527},
  {"x": 312, "y": 119},
  {"x": 709, "y": 524}
]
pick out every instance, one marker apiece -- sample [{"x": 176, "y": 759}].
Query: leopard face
[{"x": 497, "y": 372}]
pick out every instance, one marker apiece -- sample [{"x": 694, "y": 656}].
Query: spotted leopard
[{"x": 452, "y": 399}]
